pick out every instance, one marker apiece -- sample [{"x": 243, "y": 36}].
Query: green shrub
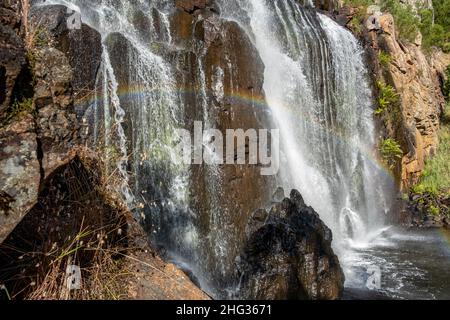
[
  {"x": 387, "y": 97},
  {"x": 436, "y": 175},
  {"x": 434, "y": 211},
  {"x": 446, "y": 86},
  {"x": 434, "y": 34},
  {"x": 442, "y": 13},
  {"x": 446, "y": 47},
  {"x": 419, "y": 189},
  {"x": 406, "y": 21},
  {"x": 18, "y": 109},
  {"x": 384, "y": 58},
  {"x": 391, "y": 152}
]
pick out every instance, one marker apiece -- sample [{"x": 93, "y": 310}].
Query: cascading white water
[
  {"x": 317, "y": 87},
  {"x": 136, "y": 112}
]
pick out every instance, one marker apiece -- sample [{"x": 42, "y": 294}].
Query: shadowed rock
[{"x": 290, "y": 256}]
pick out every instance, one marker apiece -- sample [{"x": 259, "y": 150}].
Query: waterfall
[
  {"x": 135, "y": 113},
  {"x": 318, "y": 89}
]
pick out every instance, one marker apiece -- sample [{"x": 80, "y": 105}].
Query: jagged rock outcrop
[
  {"x": 13, "y": 61},
  {"x": 37, "y": 140},
  {"x": 56, "y": 123},
  {"x": 20, "y": 172},
  {"x": 19, "y": 158},
  {"x": 81, "y": 46},
  {"x": 417, "y": 82},
  {"x": 36, "y": 144},
  {"x": 289, "y": 256}
]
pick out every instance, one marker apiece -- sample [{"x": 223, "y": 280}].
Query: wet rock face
[
  {"x": 190, "y": 6},
  {"x": 290, "y": 255},
  {"x": 234, "y": 99}
]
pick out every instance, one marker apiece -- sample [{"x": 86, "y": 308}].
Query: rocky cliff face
[
  {"x": 42, "y": 166},
  {"x": 416, "y": 77},
  {"x": 18, "y": 141},
  {"x": 13, "y": 62},
  {"x": 231, "y": 61},
  {"x": 416, "y": 80},
  {"x": 39, "y": 143},
  {"x": 39, "y": 126}
]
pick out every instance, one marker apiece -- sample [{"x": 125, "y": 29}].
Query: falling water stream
[
  {"x": 318, "y": 91},
  {"x": 317, "y": 86}
]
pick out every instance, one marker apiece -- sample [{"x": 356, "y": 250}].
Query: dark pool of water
[{"x": 413, "y": 264}]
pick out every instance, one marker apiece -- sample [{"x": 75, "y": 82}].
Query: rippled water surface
[{"x": 414, "y": 264}]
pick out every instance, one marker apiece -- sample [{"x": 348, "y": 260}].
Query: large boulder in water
[{"x": 290, "y": 256}]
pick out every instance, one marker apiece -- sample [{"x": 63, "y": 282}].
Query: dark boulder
[{"x": 290, "y": 256}]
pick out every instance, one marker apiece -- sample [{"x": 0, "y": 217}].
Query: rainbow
[{"x": 243, "y": 98}]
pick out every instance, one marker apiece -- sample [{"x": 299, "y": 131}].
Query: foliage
[
  {"x": 391, "y": 152},
  {"x": 434, "y": 34},
  {"x": 433, "y": 24},
  {"x": 442, "y": 13},
  {"x": 436, "y": 175},
  {"x": 384, "y": 58},
  {"x": 446, "y": 86},
  {"x": 406, "y": 21},
  {"x": 435, "y": 211},
  {"x": 355, "y": 25},
  {"x": 388, "y": 97},
  {"x": 18, "y": 109}
]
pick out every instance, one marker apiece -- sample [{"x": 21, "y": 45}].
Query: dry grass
[
  {"x": 102, "y": 279},
  {"x": 76, "y": 222}
]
